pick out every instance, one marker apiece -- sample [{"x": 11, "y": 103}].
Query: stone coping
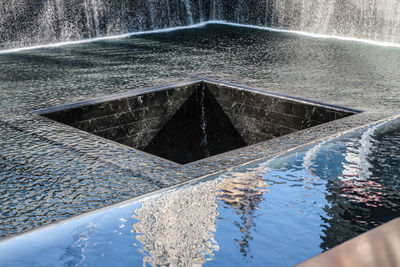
[{"x": 163, "y": 172}]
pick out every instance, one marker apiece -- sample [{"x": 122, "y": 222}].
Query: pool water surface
[{"x": 276, "y": 212}]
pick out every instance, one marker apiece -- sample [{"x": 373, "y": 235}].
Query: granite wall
[
  {"x": 132, "y": 121},
  {"x": 259, "y": 117},
  {"x": 195, "y": 121}
]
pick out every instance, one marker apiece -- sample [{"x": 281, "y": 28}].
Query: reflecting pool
[
  {"x": 275, "y": 212},
  {"x": 43, "y": 181}
]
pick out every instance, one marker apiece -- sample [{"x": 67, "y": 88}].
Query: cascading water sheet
[{"x": 27, "y": 23}]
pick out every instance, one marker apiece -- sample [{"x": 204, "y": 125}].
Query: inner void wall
[{"x": 186, "y": 123}]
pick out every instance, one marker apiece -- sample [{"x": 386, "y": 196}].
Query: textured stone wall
[
  {"x": 195, "y": 121},
  {"x": 259, "y": 117},
  {"x": 199, "y": 129},
  {"x": 132, "y": 121}
]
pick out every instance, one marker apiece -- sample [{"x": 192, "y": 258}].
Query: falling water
[
  {"x": 34, "y": 22},
  {"x": 203, "y": 123},
  {"x": 368, "y": 19},
  {"x": 189, "y": 12},
  {"x": 93, "y": 14},
  {"x": 201, "y": 10},
  {"x": 215, "y": 9}
]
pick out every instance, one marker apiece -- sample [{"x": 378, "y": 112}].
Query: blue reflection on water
[
  {"x": 276, "y": 212},
  {"x": 282, "y": 229}
]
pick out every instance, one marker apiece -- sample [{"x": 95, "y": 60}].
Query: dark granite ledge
[{"x": 162, "y": 171}]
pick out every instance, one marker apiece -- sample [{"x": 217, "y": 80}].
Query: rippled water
[
  {"x": 42, "y": 181},
  {"x": 277, "y": 212},
  {"x": 329, "y": 70}
]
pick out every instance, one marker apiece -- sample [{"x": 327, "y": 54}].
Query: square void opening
[{"x": 194, "y": 121}]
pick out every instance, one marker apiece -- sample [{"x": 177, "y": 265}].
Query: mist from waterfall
[{"x": 33, "y": 22}]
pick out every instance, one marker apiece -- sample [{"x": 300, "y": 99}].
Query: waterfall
[
  {"x": 367, "y": 19},
  {"x": 241, "y": 12},
  {"x": 201, "y": 10},
  {"x": 93, "y": 14},
  {"x": 33, "y": 22},
  {"x": 215, "y": 12},
  {"x": 188, "y": 11}
]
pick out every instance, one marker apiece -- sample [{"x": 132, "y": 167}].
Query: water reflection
[
  {"x": 362, "y": 181},
  {"x": 177, "y": 229},
  {"x": 337, "y": 190},
  {"x": 275, "y": 212},
  {"x": 364, "y": 194},
  {"x": 243, "y": 192},
  {"x": 357, "y": 165}
]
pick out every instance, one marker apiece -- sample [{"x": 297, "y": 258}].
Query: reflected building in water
[
  {"x": 361, "y": 188},
  {"x": 243, "y": 192},
  {"x": 177, "y": 228}
]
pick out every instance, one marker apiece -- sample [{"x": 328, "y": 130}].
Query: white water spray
[
  {"x": 189, "y": 11},
  {"x": 33, "y": 22},
  {"x": 199, "y": 25}
]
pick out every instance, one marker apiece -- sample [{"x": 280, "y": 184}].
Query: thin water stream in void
[{"x": 203, "y": 122}]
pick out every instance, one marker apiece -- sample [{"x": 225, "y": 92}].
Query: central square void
[{"x": 189, "y": 122}]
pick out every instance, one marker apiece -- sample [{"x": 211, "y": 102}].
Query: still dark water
[
  {"x": 277, "y": 212},
  {"x": 42, "y": 181}
]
